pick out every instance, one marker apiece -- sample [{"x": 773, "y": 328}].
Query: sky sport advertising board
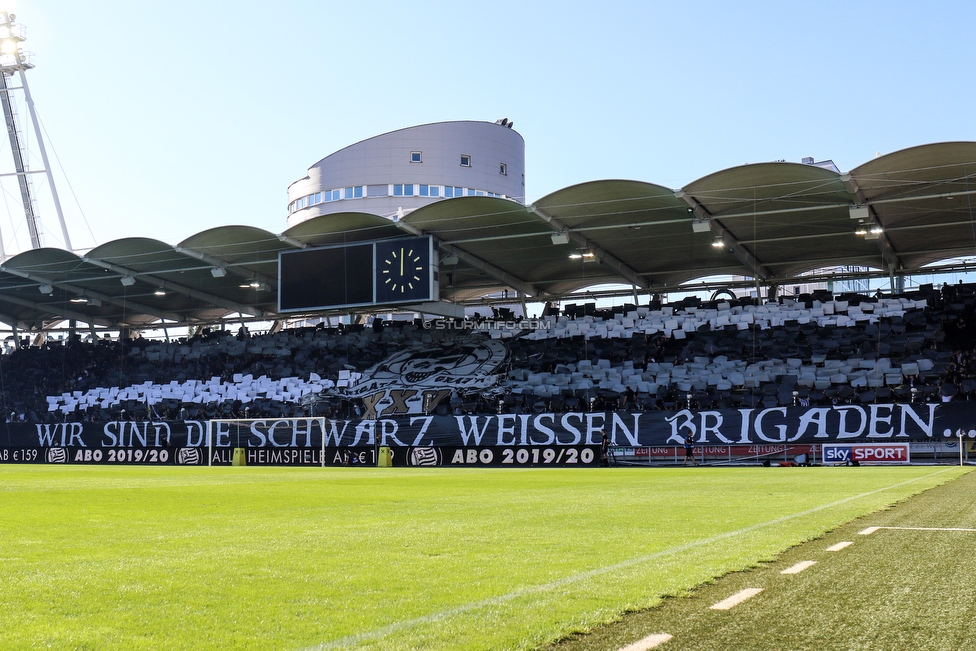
[{"x": 867, "y": 453}]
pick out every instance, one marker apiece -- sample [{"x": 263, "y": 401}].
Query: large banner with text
[{"x": 316, "y": 442}]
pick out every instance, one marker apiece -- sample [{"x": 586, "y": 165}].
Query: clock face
[{"x": 403, "y": 270}]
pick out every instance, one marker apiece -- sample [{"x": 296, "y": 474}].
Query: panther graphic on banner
[{"x": 416, "y": 379}]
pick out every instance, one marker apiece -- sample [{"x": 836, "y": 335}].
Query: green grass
[
  {"x": 263, "y": 558},
  {"x": 893, "y": 589}
]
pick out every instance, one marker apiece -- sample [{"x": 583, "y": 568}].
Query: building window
[
  {"x": 397, "y": 189},
  {"x": 415, "y": 157},
  {"x": 358, "y": 192},
  {"x": 465, "y": 160},
  {"x": 348, "y": 193},
  {"x": 503, "y": 169},
  {"x": 424, "y": 191},
  {"x": 435, "y": 191},
  {"x": 471, "y": 192}
]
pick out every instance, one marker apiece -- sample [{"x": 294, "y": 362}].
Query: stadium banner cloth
[{"x": 871, "y": 423}]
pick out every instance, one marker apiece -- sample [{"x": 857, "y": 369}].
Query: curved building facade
[{"x": 400, "y": 171}]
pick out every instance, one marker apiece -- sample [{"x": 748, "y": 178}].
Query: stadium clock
[{"x": 403, "y": 270}]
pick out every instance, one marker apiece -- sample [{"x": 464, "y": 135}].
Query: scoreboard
[{"x": 385, "y": 272}]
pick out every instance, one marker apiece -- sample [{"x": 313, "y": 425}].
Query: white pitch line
[
  {"x": 799, "y": 567},
  {"x": 868, "y": 531},
  {"x": 430, "y": 618},
  {"x": 649, "y": 642},
  {"x": 839, "y": 546},
  {"x": 930, "y": 529},
  {"x": 736, "y": 599}
]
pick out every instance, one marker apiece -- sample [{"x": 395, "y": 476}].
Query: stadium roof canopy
[{"x": 768, "y": 221}]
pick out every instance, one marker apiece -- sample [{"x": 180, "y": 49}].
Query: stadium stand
[{"x": 808, "y": 349}]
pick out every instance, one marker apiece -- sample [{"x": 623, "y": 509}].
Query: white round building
[{"x": 402, "y": 170}]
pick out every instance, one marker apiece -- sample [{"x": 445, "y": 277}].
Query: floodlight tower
[{"x": 14, "y": 60}]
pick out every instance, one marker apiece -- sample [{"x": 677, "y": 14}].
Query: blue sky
[{"x": 170, "y": 118}]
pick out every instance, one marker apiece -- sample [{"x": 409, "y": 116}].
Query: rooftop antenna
[{"x": 14, "y": 60}]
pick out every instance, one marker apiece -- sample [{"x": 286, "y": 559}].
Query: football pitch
[{"x": 96, "y": 557}]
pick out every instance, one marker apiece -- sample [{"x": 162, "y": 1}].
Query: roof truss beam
[
  {"x": 502, "y": 276},
  {"x": 176, "y": 287},
  {"x": 601, "y": 254},
  {"x": 218, "y": 263},
  {"x": 82, "y": 291},
  {"x": 756, "y": 268},
  {"x": 884, "y": 243},
  {"x": 61, "y": 311}
]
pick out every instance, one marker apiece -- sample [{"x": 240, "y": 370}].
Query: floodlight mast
[{"x": 13, "y": 59}]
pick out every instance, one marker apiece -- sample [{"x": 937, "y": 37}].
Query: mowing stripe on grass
[
  {"x": 431, "y": 618},
  {"x": 799, "y": 567},
  {"x": 649, "y": 642},
  {"x": 839, "y": 546},
  {"x": 736, "y": 599}
]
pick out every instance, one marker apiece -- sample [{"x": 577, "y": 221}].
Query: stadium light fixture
[
  {"x": 718, "y": 243},
  {"x": 46, "y": 289},
  {"x": 560, "y": 238},
  {"x": 159, "y": 292},
  {"x": 218, "y": 272},
  {"x": 79, "y": 299},
  {"x": 450, "y": 260},
  {"x": 859, "y": 212},
  {"x": 877, "y": 230},
  {"x": 861, "y": 231},
  {"x": 128, "y": 281}
]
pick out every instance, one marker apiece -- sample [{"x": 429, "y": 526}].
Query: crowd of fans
[{"x": 716, "y": 365}]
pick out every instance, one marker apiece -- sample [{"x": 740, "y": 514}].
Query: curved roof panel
[
  {"x": 923, "y": 198},
  {"x": 770, "y": 220},
  {"x": 338, "y": 228}
]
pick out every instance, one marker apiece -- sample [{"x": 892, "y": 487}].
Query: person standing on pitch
[
  {"x": 689, "y": 446},
  {"x": 605, "y": 449}
]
